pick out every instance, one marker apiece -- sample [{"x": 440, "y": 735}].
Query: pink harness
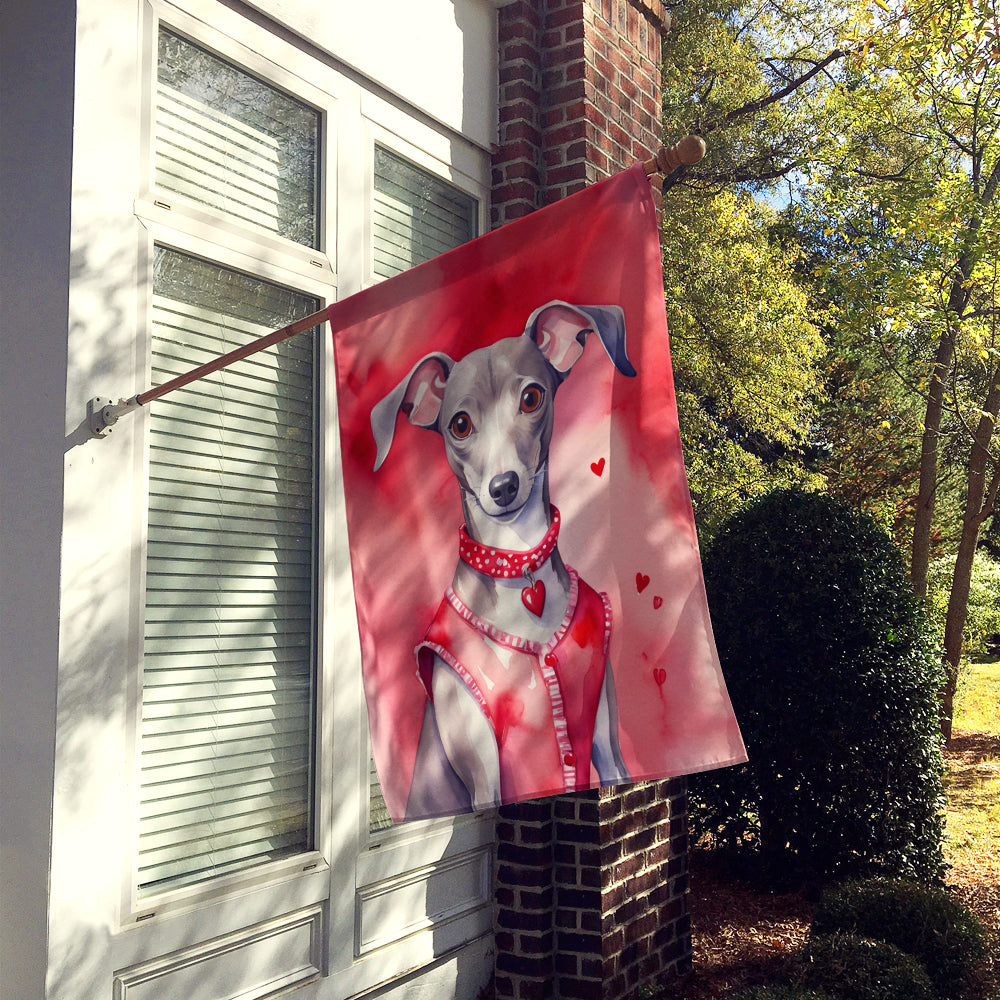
[{"x": 540, "y": 698}]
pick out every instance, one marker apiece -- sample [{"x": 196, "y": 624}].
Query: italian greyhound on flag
[{"x": 520, "y": 692}]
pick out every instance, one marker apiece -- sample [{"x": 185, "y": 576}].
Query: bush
[
  {"x": 833, "y": 673},
  {"x": 856, "y": 968},
  {"x": 925, "y": 922}
]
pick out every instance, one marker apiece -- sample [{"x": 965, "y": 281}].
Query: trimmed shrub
[
  {"x": 856, "y": 968},
  {"x": 925, "y": 922},
  {"x": 833, "y": 672}
]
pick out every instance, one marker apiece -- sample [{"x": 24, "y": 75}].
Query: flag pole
[{"x": 103, "y": 413}]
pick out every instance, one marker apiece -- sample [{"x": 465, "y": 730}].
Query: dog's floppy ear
[
  {"x": 419, "y": 396},
  {"x": 560, "y": 331}
]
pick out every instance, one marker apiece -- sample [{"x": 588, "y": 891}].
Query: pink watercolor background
[{"x": 623, "y": 524}]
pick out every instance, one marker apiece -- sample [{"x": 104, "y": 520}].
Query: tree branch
[
  {"x": 723, "y": 178},
  {"x": 754, "y": 106},
  {"x": 900, "y": 176}
]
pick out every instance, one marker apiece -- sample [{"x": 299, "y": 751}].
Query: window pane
[
  {"x": 228, "y": 658},
  {"x": 416, "y": 216},
  {"x": 228, "y": 140}
]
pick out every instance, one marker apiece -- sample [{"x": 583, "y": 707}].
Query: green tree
[
  {"x": 746, "y": 347},
  {"x": 880, "y": 122},
  {"x": 868, "y": 427},
  {"x": 911, "y": 186},
  {"x": 982, "y": 620},
  {"x": 747, "y": 77},
  {"x": 747, "y": 357}
]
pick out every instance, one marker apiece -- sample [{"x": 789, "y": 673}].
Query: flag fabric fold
[{"x": 528, "y": 586}]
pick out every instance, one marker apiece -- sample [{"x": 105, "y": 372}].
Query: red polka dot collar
[{"x": 506, "y": 563}]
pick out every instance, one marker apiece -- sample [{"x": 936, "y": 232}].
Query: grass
[
  {"x": 978, "y": 698},
  {"x": 973, "y": 783},
  {"x": 972, "y": 848}
]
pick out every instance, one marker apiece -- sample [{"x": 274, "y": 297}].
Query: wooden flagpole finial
[{"x": 668, "y": 158}]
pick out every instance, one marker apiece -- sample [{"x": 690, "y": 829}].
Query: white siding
[{"x": 74, "y": 543}]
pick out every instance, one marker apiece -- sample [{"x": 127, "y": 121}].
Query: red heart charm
[
  {"x": 657, "y": 602},
  {"x": 597, "y": 468},
  {"x": 659, "y": 675},
  {"x": 533, "y": 598},
  {"x": 641, "y": 582}
]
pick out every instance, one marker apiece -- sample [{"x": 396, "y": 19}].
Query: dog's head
[{"x": 493, "y": 409}]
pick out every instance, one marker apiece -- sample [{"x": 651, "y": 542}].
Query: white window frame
[
  {"x": 394, "y": 132},
  {"x": 274, "y": 61},
  {"x": 195, "y": 244},
  {"x": 181, "y": 224},
  {"x": 388, "y": 858},
  {"x": 350, "y": 871}
]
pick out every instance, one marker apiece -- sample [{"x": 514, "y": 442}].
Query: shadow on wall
[
  {"x": 95, "y": 704},
  {"x": 473, "y": 115},
  {"x": 444, "y": 904}
]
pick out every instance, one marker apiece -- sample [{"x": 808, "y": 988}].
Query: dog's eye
[
  {"x": 532, "y": 398},
  {"x": 461, "y": 425}
]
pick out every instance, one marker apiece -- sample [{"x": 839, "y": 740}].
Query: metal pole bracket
[{"x": 103, "y": 413}]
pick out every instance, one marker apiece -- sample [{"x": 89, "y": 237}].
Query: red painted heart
[
  {"x": 657, "y": 602},
  {"x": 641, "y": 582},
  {"x": 659, "y": 675},
  {"x": 597, "y": 468},
  {"x": 533, "y": 598}
]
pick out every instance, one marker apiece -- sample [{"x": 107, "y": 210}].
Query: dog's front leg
[
  {"x": 467, "y": 737},
  {"x": 606, "y": 752}
]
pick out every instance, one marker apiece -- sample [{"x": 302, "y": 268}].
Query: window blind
[
  {"x": 415, "y": 216},
  {"x": 228, "y": 140},
  {"x": 228, "y": 654}
]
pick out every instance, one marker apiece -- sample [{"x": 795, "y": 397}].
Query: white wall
[
  {"x": 416, "y": 49},
  {"x": 89, "y": 835},
  {"x": 71, "y": 293},
  {"x": 36, "y": 109}
]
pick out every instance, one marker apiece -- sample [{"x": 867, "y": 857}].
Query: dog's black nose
[{"x": 503, "y": 488}]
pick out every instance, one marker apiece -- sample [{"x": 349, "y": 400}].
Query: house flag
[{"x": 529, "y": 592}]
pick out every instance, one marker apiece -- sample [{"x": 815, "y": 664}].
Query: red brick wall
[
  {"x": 591, "y": 893},
  {"x": 524, "y": 902},
  {"x": 579, "y": 96},
  {"x": 591, "y": 888}
]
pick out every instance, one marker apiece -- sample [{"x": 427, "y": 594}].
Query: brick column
[
  {"x": 579, "y": 96},
  {"x": 591, "y": 888},
  {"x": 517, "y": 161},
  {"x": 524, "y": 901},
  {"x": 591, "y": 893}
]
